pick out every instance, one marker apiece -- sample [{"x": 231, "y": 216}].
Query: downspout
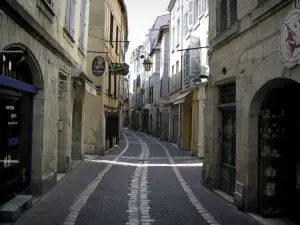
[
  {"x": 201, "y": 100},
  {"x": 119, "y": 105}
]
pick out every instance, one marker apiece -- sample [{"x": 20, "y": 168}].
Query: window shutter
[
  {"x": 82, "y": 23},
  {"x": 191, "y": 7},
  {"x": 72, "y": 31},
  {"x": 184, "y": 67},
  {"x": 194, "y": 57},
  {"x": 68, "y": 13},
  {"x": 227, "y": 13},
  {"x": 233, "y": 11},
  {"x": 204, "y": 5},
  {"x": 185, "y": 24},
  {"x": 196, "y": 10},
  {"x": 223, "y": 15}
]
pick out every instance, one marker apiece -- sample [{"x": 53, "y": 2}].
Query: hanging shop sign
[
  {"x": 290, "y": 37},
  {"x": 119, "y": 69},
  {"x": 98, "y": 66}
]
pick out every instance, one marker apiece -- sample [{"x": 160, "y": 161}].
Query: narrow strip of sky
[{"x": 141, "y": 16}]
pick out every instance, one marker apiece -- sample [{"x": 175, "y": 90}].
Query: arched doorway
[
  {"x": 278, "y": 148},
  {"x": 20, "y": 80},
  {"x": 76, "y": 153}
]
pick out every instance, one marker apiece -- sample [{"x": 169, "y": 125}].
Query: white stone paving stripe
[
  {"x": 85, "y": 194},
  {"x": 192, "y": 197},
  {"x": 139, "y": 205}
]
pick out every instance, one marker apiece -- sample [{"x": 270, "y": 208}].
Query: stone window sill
[
  {"x": 225, "y": 35},
  {"x": 269, "y": 7},
  {"x": 81, "y": 53},
  {"x": 68, "y": 37}
]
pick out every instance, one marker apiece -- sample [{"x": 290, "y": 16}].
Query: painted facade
[
  {"x": 189, "y": 35},
  {"x": 175, "y": 72},
  {"x": 52, "y": 50},
  {"x": 249, "y": 80},
  {"x": 108, "y": 40}
]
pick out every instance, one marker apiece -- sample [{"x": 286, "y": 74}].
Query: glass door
[{"x": 9, "y": 147}]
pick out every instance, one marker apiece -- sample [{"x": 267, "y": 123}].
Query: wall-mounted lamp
[{"x": 147, "y": 64}]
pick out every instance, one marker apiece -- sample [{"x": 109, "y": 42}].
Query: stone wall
[
  {"x": 46, "y": 67},
  {"x": 252, "y": 59}
]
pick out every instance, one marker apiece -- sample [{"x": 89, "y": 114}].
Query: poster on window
[{"x": 298, "y": 177}]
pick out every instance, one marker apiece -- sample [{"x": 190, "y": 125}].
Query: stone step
[{"x": 12, "y": 210}]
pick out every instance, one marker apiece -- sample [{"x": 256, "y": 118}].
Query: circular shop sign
[
  {"x": 98, "y": 66},
  {"x": 290, "y": 38}
]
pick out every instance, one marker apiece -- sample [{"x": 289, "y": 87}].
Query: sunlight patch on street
[{"x": 200, "y": 164}]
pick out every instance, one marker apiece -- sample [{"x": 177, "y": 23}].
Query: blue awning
[{"x": 16, "y": 84}]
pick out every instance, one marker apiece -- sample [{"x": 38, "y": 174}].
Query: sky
[{"x": 141, "y": 16}]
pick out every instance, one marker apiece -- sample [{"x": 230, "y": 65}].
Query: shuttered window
[
  {"x": 202, "y": 6},
  {"x": 178, "y": 31},
  {"x": 69, "y": 18},
  {"x": 109, "y": 81},
  {"x": 111, "y": 31},
  {"x": 82, "y": 25},
  {"x": 196, "y": 10},
  {"x": 185, "y": 25},
  {"x": 186, "y": 67},
  {"x": 227, "y": 14},
  {"x": 191, "y": 12},
  {"x": 117, "y": 40},
  {"x": 173, "y": 38}
]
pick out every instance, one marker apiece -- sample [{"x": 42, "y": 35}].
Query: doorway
[
  {"x": 175, "y": 128},
  {"x": 190, "y": 127},
  {"x": 228, "y": 155},
  {"x": 16, "y": 97},
  {"x": 76, "y": 154},
  {"x": 279, "y": 153}
]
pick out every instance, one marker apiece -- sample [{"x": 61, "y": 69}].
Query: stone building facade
[
  {"x": 45, "y": 84},
  {"x": 107, "y": 44},
  {"x": 175, "y": 71},
  {"x": 251, "y": 120}
]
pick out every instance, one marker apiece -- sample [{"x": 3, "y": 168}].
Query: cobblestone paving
[{"x": 135, "y": 184}]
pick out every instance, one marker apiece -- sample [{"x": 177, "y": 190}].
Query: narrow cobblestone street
[{"x": 143, "y": 181}]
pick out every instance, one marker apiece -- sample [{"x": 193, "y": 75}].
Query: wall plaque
[{"x": 98, "y": 66}]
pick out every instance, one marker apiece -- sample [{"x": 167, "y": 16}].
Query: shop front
[{"x": 16, "y": 105}]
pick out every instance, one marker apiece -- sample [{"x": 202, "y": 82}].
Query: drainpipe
[
  {"x": 119, "y": 105},
  {"x": 201, "y": 119}
]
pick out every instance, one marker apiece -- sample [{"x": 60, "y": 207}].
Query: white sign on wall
[{"x": 290, "y": 37}]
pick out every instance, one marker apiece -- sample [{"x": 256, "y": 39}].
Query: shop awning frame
[{"x": 181, "y": 98}]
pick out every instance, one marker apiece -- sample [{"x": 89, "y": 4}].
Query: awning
[
  {"x": 181, "y": 98},
  {"x": 90, "y": 88},
  {"x": 77, "y": 72}
]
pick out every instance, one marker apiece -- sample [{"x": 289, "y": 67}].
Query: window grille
[
  {"x": 227, "y": 93},
  {"x": 227, "y": 14}
]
